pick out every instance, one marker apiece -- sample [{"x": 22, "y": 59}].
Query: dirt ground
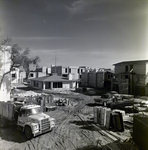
[{"x": 74, "y": 130}]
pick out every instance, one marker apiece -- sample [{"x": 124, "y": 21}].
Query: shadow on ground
[
  {"x": 10, "y": 133},
  {"x": 92, "y": 104},
  {"x": 89, "y": 147},
  {"x": 85, "y": 125}
]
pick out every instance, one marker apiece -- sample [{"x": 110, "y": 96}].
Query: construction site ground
[{"x": 75, "y": 129}]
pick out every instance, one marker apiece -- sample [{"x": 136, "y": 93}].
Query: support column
[
  {"x": 77, "y": 84},
  {"x": 51, "y": 85},
  {"x": 43, "y": 85}
]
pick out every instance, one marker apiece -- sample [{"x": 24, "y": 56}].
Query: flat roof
[{"x": 132, "y": 62}]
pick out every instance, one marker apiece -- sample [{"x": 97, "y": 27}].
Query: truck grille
[{"x": 45, "y": 124}]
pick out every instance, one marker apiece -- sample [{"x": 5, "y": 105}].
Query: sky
[{"x": 92, "y": 33}]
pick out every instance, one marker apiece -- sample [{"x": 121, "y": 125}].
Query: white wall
[
  {"x": 40, "y": 74},
  {"x": 137, "y": 68},
  {"x": 66, "y": 85},
  {"x": 16, "y": 78}
]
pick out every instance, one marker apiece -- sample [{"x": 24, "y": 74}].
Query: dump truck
[{"x": 29, "y": 118}]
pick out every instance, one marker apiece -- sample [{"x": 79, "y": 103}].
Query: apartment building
[
  {"x": 131, "y": 77},
  {"x": 68, "y": 72},
  {"x": 38, "y": 72},
  {"x": 97, "y": 78}
]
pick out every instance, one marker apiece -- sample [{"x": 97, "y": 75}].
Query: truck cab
[{"x": 33, "y": 121}]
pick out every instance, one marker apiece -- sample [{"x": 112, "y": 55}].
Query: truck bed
[{"x": 7, "y": 110}]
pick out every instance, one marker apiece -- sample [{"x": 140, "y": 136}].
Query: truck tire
[{"x": 28, "y": 132}]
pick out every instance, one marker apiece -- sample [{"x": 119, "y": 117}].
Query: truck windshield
[{"x": 33, "y": 111}]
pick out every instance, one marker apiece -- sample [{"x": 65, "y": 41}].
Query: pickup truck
[
  {"x": 29, "y": 118},
  {"x": 108, "y": 98}
]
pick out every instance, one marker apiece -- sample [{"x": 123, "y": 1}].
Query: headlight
[{"x": 35, "y": 126}]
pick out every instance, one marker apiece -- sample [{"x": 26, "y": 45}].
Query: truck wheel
[
  {"x": 28, "y": 132},
  {"x": 104, "y": 104}
]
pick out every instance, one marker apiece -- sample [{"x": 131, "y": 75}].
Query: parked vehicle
[
  {"x": 108, "y": 98},
  {"x": 117, "y": 96},
  {"x": 29, "y": 118},
  {"x": 104, "y": 100}
]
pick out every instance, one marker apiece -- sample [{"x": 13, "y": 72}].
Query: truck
[
  {"x": 29, "y": 118},
  {"x": 108, "y": 98}
]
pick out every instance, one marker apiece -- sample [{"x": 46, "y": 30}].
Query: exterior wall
[
  {"x": 48, "y": 70},
  {"x": 56, "y": 69},
  {"x": 64, "y": 70},
  {"x": 19, "y": 75},
  {"x": 92, "y": 79},
  {"x": 73, "y": 69},
  {"x": 120, "y": 85},
  {"x": 137, "y": 77},
  {"x": 81, "y": 69},
  {"x": 22, "y": 76},
  {"x": 42, "y": 85},
  {"x": 32, "y": 75},
  {"x": 75, "y": 76},
  {"x": 70, "y": 77},
  {"x": 42, "y": 69},
  {"x": 5, "y": 64},
  {"x": 66, "y": 85},
  {"x": 41, "y": 74},
  {"x": 84, "y": 79},
  {"x": 97, "y": 79},
  {"x": 15, "y": 73},
  {"x": 74, "y": 72},
  {"x": 100, "y": 79},
  {"x": 119, "y": 69},
  {"x": 137, "y": 68},
  {"x": 73, "y": 85}
]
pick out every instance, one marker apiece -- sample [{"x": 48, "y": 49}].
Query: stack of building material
[
  {"x": 117, "y": 121},
  {"x": 121, "y": 111},
  {"x": 108, "y": 114},
  {"x": 102, "y": 116},
  {"x": 97, "y": 115},
  {"x": 109, "y": 119}
]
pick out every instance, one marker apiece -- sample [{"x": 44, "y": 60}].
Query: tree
[
  {"x": 22, "y": 58},
  {"x": 18, "y": 56}
]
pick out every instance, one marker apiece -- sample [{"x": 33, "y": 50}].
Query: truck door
[{"x": 22, "y": 118}]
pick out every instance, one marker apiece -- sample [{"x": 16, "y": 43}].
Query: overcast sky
[{"x": 93, "y": 33}]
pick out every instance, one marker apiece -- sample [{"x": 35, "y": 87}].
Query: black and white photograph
[{"x": 73, "y": 75}]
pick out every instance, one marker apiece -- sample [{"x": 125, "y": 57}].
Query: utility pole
[{"x": 55, "y": 62}]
